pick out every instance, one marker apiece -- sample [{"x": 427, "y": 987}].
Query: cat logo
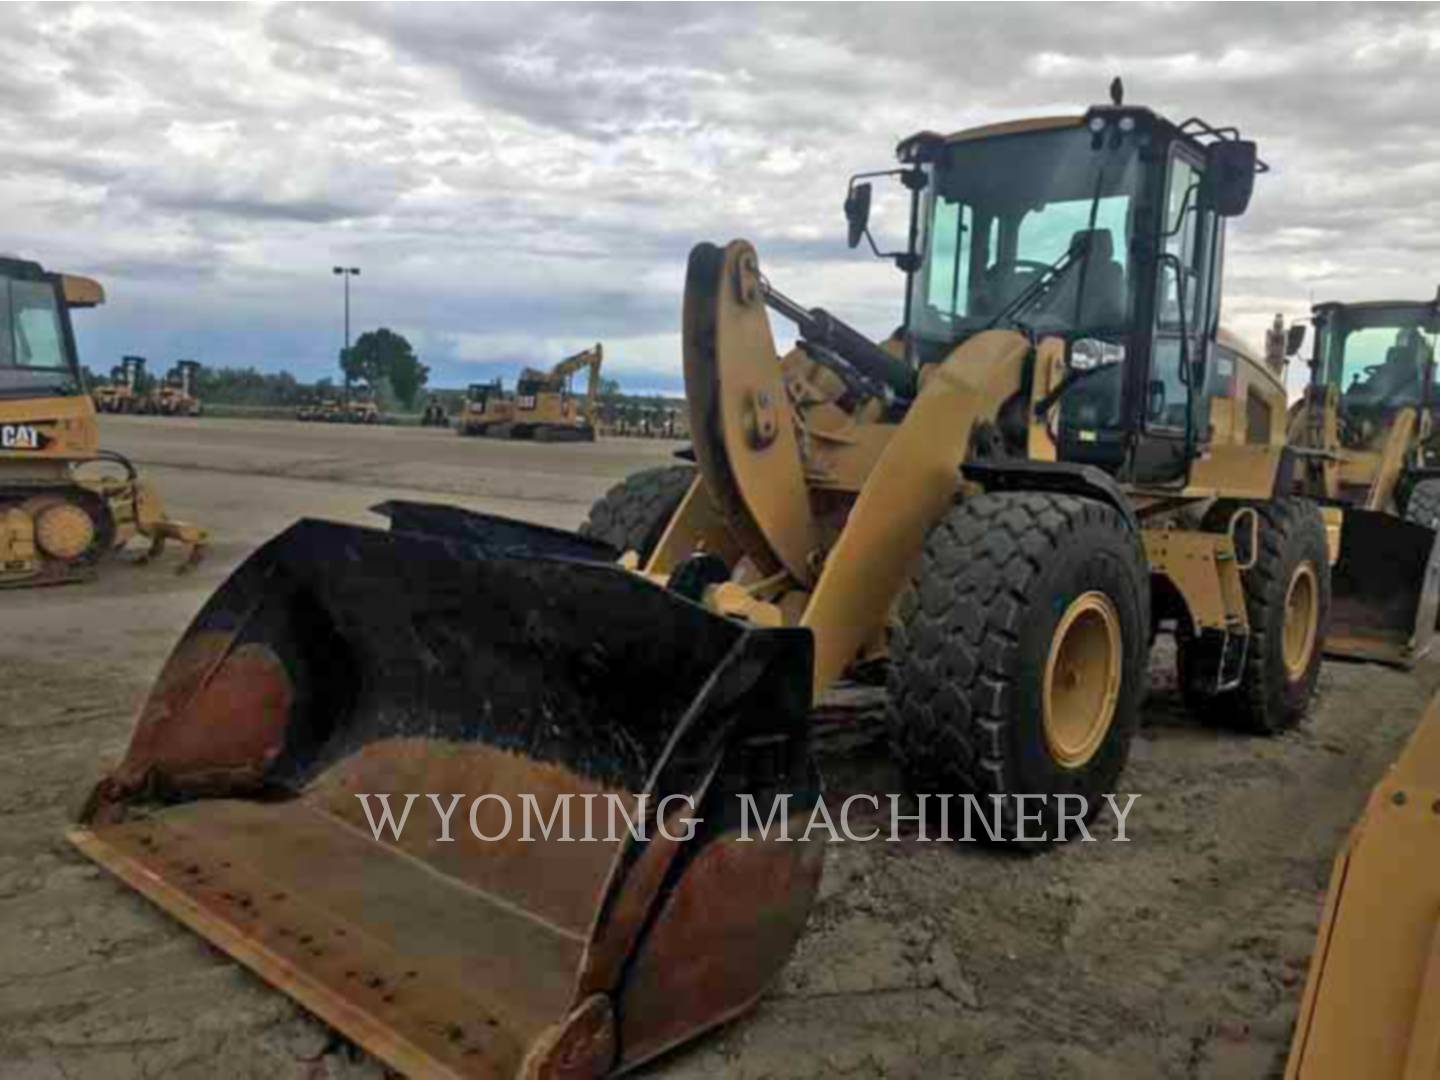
[
  {"x": 20, "y": 437},
  {"x": 525, "y": 401}
]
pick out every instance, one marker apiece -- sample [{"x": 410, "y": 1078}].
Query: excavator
[
  {"x": 1371, "y": 1005},
  {"x": 1056, "y": 455},
  {"x": 65, "y": 504},
  {"x": 1365, "y": 435},
  {"x": 542, "y": 407}
]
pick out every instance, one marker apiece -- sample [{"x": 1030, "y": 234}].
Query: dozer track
[{"x": 59, "y": 533}]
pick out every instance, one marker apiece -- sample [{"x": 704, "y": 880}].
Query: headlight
[
  {"x": 1097, "y": 124},
  {"x": 1088, "y": 353}
]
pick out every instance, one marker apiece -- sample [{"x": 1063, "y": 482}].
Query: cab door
[{"x": 1174, "y": 405}]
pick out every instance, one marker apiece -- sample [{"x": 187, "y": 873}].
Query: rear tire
[
  {"x": 1018, "y": 653},
  {"x": 632, "y": 515},
  {"x": 1287, "y": 630},
  {"x": 1423, "y": 506}
]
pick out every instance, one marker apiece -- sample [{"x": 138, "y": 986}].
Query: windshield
[
  {"x": 1379, "y": 356},
  {"x": 33, "y": 352},
  {"x": 1002, "y": 214}
]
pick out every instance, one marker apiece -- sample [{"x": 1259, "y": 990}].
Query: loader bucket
[
  {"x": 451, "y": 657},
  {"x": 1386, "y": 587}
]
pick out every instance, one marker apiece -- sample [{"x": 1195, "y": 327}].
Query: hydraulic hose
[{"x": 821, "y": 328}]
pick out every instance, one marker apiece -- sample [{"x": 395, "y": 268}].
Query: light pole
[{"x": 346, "y": 272}]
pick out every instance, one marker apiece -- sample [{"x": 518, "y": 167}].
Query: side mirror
[
  {"x": 857, "y": 212},
  {"x": 1230, "y": 175},
  {"x": 1294, "y": 338}
]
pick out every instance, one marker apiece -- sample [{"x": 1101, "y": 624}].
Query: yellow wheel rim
[
  {"x": 1082, "y": 679},
  {"x": 1302, "y": 617}
]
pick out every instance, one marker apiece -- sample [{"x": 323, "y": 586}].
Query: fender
[{"x": 1021, "y": 474}]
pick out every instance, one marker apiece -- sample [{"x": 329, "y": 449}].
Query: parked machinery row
[{"x": 128, "y": 390}]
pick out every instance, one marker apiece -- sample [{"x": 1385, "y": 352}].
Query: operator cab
[
  {"x": 1106, "y": 230},
  {"x": 37, "y": 344},
  {"x": 479, "y": 393},
  {"x": 1379, "y": 357}
]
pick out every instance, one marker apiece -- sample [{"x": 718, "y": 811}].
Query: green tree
[{"x": 383, "y": 355}]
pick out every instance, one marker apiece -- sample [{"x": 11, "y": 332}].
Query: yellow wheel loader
[
  {"x": 1371, "y": 1005},
  {"x": 1053, "y": 455},
  {"x": 1365, "y": 435},
  {"x": 65, "y": 504}
]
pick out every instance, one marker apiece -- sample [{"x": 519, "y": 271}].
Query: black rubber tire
[
  {"x": 1423, "y": 505},
  {"x": 1267, "y": 701},
  {"x": 971, "y": 636},
  {"x": 632, "y": 515}
]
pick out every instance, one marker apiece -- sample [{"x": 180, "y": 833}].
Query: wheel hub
[
  {"x": 1082, "y": 679},
  {"x": 1302, "y": 612}
]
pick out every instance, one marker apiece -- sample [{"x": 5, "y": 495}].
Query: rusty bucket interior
[
  {"x": 1386, "y": 589},
  {"x": 518, "y": 669}
]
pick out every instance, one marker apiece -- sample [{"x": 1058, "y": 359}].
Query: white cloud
[{"x": 518, "y": 181}]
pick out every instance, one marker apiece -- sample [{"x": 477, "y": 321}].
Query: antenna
[{"x": 1117, "y": 92}]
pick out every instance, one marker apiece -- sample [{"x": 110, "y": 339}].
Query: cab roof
[
  {"x": 1372, "y": 305},
  {"x": 79, "y": 291},
  {"x": 1195, "y": 131}
]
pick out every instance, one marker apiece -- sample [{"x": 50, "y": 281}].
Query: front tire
[
  {"x": 1423, "y": 505},
  {"x": 1018, "y": 653},
  {"x": 632, "y": 515}
]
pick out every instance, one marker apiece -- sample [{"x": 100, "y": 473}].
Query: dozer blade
[
  {"x": 514, "y": 667},
  {"x": 1386, "y": 587}
]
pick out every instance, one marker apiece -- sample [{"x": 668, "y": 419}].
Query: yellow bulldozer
[
  {"x": 121, "y": 394},
  {"x": 318, "y": 409},
  {"x": 65, "y": 504},
  {"x": 1366, "y": 439},
  {"x": 175, "y": 395},
  {"x": 543, "y": 406},
  {"x": 1371, "y": 1005},
  {"x": 1055, "y": 455}
]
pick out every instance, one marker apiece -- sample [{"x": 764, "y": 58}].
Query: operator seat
[{"x": 1103, "y": 303}]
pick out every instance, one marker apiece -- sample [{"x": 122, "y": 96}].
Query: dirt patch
[{"x": 1181, "y": 953}]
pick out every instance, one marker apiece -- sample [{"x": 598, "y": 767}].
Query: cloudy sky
[{"x": 516, "y": 182}]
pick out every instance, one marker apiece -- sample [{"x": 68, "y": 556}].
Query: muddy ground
[{"x": 1180, "y": 954}]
